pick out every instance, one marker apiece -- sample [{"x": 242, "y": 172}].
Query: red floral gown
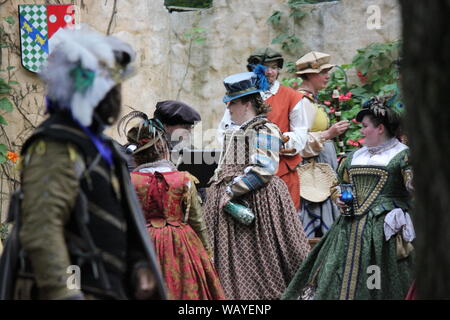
[{"x": 185, "y": 264}]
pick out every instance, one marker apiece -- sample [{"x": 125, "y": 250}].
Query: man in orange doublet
[
  {"x": 282, "y": 103},
  {"x": 286, "y": 113}
]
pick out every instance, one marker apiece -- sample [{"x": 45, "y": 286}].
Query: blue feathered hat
[{"x": 245, "y": 83}]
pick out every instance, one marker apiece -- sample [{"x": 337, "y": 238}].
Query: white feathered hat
[{"x": 83, "y": 67}]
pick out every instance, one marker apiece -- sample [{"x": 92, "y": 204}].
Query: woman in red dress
[{"x": 173, "y": 214}]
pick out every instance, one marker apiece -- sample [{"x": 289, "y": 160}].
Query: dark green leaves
[{"x": 6, "y": 105}]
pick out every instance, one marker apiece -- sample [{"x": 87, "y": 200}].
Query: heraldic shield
[{"x": 38, "y": 24}]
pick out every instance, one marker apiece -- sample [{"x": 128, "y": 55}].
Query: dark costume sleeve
[
  {"x": 195, "y": 218},
  {"x": 50, "y": 187}
]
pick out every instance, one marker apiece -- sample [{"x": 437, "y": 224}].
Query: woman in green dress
[{"x": 367, "y": 253}]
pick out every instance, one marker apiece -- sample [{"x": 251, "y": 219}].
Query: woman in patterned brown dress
[{"x": 254, "y": 261}]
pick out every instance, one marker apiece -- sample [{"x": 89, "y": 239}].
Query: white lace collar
[
  {"x": 389, "y": 144},
  {"x": 272, "y": 90},
  {"x": 160, "y": 166},
  {"x": 381, "y": 156}
]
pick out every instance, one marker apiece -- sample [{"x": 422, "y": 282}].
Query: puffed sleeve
[
  {"x": 264, "y": 159},
  {"x": 342, "y": 178},
  {"x": 407, "y": 172},
  {"x": 314, "y": 141},
  {"x": 298, "y": 126},
  {"x": 314, "y": 145},
  {"x": 195, "y": 216},
  {"x": 50, "y": 186}
]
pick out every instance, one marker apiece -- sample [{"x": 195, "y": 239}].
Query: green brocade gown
[{"x": 343, "y": 265}]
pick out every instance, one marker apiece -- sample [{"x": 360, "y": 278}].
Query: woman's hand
[
  {"x": 286, "y": 151},
  {"x": 340, "y": 203},
  {"x": 224, "y": 200},
  {"x": 210, "y": 255},
  {"x": 336, "y": 130}
]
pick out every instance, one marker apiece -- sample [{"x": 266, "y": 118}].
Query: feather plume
[
  {"x": 123, "y": 122},
  {"x": 90, "y": 50}
]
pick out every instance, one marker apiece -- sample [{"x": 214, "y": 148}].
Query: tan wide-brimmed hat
[
  {"x": 316, "y": 180},
  {"x": 313, "y": 62}
]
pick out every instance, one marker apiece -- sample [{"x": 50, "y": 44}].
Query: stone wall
[{"x": 169, "y": 70}]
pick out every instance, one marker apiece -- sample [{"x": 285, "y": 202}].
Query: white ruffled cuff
[{"x": 397, "y": 220}]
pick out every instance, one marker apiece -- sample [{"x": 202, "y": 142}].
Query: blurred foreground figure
[{"x": 78, "y": 231}]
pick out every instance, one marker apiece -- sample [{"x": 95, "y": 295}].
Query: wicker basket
[{"x": 313, "y": 241}]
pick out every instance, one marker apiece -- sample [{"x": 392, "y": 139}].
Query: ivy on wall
[
  {"x": 375, "y": 67},
  {"x": 195, "y": 35},
  {"x": 286, "y": 36},
  {"x": 14, "y": 98}
]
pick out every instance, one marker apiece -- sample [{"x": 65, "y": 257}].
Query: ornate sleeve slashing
[
  {"x": 314, "y": 145},
  {"x": 407, "y": 173},
  {"x": 263, "y": 164}
]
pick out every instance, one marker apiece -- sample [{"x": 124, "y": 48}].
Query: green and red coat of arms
[{"x": 38, "y": 25}]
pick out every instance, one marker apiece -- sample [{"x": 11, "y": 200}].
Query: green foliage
[
  {"x": 286, "y": 37},
  {"x": 3, "y": 149},
  {"x": 380, "y": 76},
  {"x": 376, "y": 67},
  {"x": 5, "y": 106},
  {"x": 4, "y": 86},
  {"x": 193, "y": 35},
  {"x": 290, "y": 67},
  {"x": 275, "y": 18},
  {"x": 10, "y": 20},
  {"x": 3, "y": 152},
  {"x": 296, "y": 4},
  {"x": 291, "y": 82},
  {"x": 196, "y": 34}
]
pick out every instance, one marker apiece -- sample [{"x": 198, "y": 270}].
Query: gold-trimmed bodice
[
  {"x": 377, "y": 188},
  {"x": 368, "y": 182}
]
